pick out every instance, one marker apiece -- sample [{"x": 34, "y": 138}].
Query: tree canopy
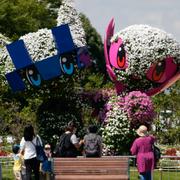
[{"x": 18, "y": 17}]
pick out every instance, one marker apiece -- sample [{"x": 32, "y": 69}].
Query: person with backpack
[
  {"x": 92, "y": 143},
  {"x": 68, "y": 145},
  {"x": 142, "y": 147}
]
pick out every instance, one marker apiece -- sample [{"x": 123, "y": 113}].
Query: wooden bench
[{"x": 104, "y": 168}]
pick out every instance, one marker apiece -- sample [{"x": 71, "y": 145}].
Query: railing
[
  {"x": 168, "y": 168},
  {"x": 6, "y": 168}
]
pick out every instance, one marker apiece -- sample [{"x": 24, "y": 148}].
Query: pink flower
[{"x": 139, "y": 108}]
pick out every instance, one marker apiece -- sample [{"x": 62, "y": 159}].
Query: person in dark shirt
[{"x": 69, "y": 144}]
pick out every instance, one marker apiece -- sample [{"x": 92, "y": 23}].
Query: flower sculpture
[
  {"x": 142, "y": 61},
  {"x": 141, "y": 57},
  {"x": 46, "y": 54}
]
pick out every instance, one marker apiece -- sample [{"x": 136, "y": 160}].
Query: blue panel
[
  {"x": 15, "y": 81},
  {"x": 63, "y": 38},
  {"x": 19, "y": 54},
  {"x": 49, "y": 68}
]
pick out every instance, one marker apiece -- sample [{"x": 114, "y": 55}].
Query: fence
[
  {"x": 168, "y": 168},
  {"x": 6, "y": 165}
]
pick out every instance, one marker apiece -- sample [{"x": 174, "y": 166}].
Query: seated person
[{"x": 92, "y": 143}]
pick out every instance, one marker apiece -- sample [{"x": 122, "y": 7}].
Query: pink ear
[{"x": 109, "y": 34}]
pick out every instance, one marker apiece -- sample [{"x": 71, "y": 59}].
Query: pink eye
[
  {"x": 162, "y": 71},
  {"x": 158, "y": 71},
  {"x": 121, "y": 57},
  {"x": 117, "y": 55}
]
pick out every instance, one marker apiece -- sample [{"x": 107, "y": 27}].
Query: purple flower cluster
[
  {"x": 103, "y": 95},
  {"x": 139, "y": 108}
]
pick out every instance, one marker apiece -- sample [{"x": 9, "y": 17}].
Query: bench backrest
[{"x": 91, "y": 166}]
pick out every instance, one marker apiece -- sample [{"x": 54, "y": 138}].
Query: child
[
  {"x": 18, "y": 168},
  {"x": 46, "y": 165}
]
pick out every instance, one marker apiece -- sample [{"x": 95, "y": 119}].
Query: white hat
[
  {"x": 47, "y": 146},
  {"x": 142, "y": 131}
]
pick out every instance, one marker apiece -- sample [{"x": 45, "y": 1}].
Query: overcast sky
[{"x": 163, "y": 14}]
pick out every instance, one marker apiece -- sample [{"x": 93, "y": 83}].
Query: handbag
[{"x": 40, "y": 154}]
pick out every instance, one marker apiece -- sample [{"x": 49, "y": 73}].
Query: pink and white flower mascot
[{"x": 142, "y": 61}]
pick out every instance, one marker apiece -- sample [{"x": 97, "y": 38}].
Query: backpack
[
  {"x": 157, "y": 153},
  {"x": 65, "y": 148},
  {"x": 91, "y": 145},
  {"x": 59, "y": 149}
]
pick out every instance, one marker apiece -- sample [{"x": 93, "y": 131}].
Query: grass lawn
[
  {"x": 7, "y": 174},
  {"x": 157, "y": 175}
]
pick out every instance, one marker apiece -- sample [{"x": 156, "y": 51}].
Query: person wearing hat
[{"x": 142, "y": 147}]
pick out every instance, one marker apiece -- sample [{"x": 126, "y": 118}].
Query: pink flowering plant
[{"x": 139, "y": 108}]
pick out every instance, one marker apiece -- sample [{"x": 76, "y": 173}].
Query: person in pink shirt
[{"x": 142, "y": 147}]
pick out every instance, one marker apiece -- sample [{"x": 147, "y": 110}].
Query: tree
[
  {"x": 167, "y": 106},
  {"x": 18, "y": 17},
  {"x": 95, "y": 45}
]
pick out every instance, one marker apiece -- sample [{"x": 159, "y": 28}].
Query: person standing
[
  {"x": 92, "y": 143},
  {"x": 46, "y": 165},
  {"x": 18, "y": 162},
  {"x": 142, "y": 147},
  {"x": 27, "y": 146}
]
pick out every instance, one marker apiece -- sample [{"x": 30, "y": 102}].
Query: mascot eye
[
  {"x": 33, "y": 76},
  {"x": 121, "y": 57},
  {"x": 66, "y": 63},
  {"x": 158, "y": 71},
  {"x": 117, "y": 55}
]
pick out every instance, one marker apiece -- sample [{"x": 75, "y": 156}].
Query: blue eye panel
[
  {"x": 15, "y": 81},
  {"x": 68, "y": 57},
  {"x": 33, "y": 76},
  {"x": 67, "y": 63},
  {"x": 63, "y": 38},
  {"x": 49, "y": 68},
  {"x": 19, "y": 54}
]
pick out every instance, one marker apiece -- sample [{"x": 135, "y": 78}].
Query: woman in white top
[{"x": 27, "y": 146}]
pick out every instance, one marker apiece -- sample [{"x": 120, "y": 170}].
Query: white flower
[
  {"x": 10, "y": 139},
  {"x": 67, "y": 14}
]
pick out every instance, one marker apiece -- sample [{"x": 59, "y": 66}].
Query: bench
[{"x": 104, "y": 168}]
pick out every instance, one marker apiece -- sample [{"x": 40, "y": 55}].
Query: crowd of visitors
[{"x": 27, "y": 163}]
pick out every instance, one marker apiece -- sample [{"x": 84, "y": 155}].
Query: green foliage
[
  {"x": 54, "y": 114},
  {"x": 167, "y": 106},
  {"x": 95, "y": 45},
  {"x": 54, "y": 3},
  {"x": 18, "y": 17}
]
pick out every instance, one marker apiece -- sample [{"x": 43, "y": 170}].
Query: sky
[{"x": 163, "y": 14}]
